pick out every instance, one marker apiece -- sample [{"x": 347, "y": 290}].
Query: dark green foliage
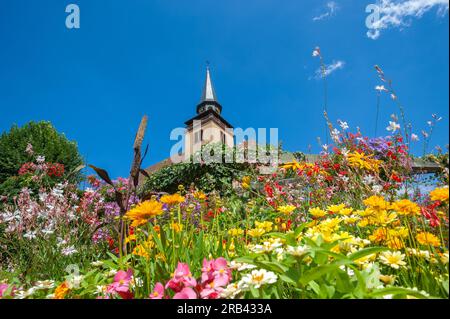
[
  {"x": 46, "y": 141},
  {"x": 205, "y": 177}
]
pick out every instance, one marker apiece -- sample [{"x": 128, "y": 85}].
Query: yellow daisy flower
[
  {"x": 172, "y": 199},
  {"x": 426, "y": 238},
  {"x": 142, "y": 212},
  {"x": 440, "y": 194},
  {"x": 287, "y": 209}
]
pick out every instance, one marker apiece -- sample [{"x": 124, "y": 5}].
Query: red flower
[
  {"x": 429, "y": 213},
  {"x": 55, "y": 169},
  {"x": 27, "y": 168},
  {"x": 289, "y": 223},
  {"x": 268, "y": 190},
  {"x": 111, "y": 243},
  {"x": 396, "y": 178}
]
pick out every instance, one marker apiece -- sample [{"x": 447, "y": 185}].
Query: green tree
[{"x": 46, "y": 141}]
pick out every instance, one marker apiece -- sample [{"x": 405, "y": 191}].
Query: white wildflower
[
  {"x": 344, "y": 126},
  {"x": 30, "y": 235},
  {"x": 67, "y": 251},
  {"x": 257, "y": 278},
  {"x": 393, "y": 126},
  {"x": 44, "y": 284},
  {"x": 230, "y": 291},
  {"x": 380, "y": 88},
  {"x": 297, "y": 251},
  {"x": 377, "y": 188},
  {"x": 241, "y": 266},
  {"x": 97, "y": 263},
  {"x": 368, "y": 179},
  {"x": 316, "y": 52},
  {"x": 40, "y": 159}
]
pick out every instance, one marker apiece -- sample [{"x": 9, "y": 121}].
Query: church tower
[{"x": 208, "y": 126}]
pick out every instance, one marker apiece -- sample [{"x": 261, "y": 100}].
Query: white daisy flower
[
  {"x": 297, "y": 251},
  {"x": 257, "y": 278}
]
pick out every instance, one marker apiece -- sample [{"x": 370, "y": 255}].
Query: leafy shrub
[
  {"x": 20, "y": 145},
  {"x": 206, "y": 176}
]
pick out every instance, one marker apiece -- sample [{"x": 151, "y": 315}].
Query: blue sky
[{"x": 137, "y": 57}]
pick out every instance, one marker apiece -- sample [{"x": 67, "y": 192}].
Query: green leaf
[
  {"x": 365, "y": 252},
  {"x": 317, "y": 272},
  {"x": 113, "y": 257},
  {"x": 245, "y": 259},
  {"x": 315, "y": 287},
  {"x": 254, "y": 291},
  {"x": 273, "y": 266}
]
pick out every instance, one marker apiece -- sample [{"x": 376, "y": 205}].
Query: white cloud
[
  {"x": 336, "y": 65},
  {"x": 330, "y": 10},
  {"x": 399, "y": 13}
]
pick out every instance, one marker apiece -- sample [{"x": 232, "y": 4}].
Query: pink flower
[
  {"x": 186, "y": 293},
  {"x": 211, "y": 293},
  {"x": 3, "y": 288},
  {"x": 121, "y": 284},
  {"x": 182, "y": 277},
  {"x": 222, "y": 274},
  {"x": 217, "y": 271},
  {"x": 207, "y": 270},
  {"x": 158, "y": 291}
]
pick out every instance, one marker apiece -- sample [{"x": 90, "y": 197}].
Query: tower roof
[
  {"x": 208, "y": 93},
  {"x": 209, "y": 98}
]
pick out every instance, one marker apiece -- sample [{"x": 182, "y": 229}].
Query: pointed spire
[
  {"x": 208, "y": 100},
  {"x": 208, "y": 89}
]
